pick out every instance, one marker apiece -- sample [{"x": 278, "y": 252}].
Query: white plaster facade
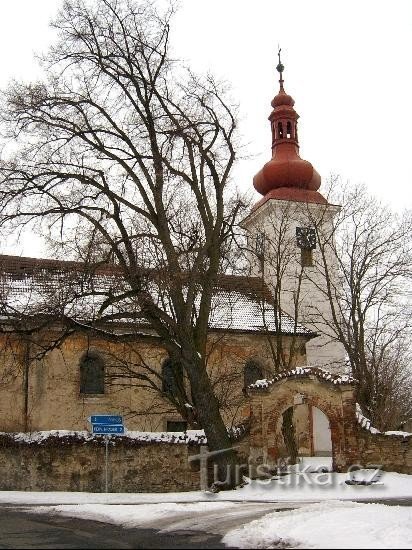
[{"x": 301, "y": 290}]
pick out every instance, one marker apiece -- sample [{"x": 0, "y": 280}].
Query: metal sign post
[
  {"x": 106, "y": 424},
  {"x": 106, "y": 476}
]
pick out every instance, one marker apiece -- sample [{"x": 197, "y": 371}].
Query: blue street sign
[
  {"x": 105, "y": 419},
  {"x": 107, "y": 429}
]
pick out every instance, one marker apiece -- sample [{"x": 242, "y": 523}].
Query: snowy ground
[
  {"x": 296, "y": 487},
  {"x": 297, "y": 510},
  {"x": 332, "y": 524},
  {"x": 328, "y": 525}
]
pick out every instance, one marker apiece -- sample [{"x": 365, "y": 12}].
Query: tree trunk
[
  {"x": 289, "y": 435},
  {"x": 222, "y": 459}
]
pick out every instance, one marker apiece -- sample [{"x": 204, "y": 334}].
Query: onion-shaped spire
[{"x": 286, "y": 176}]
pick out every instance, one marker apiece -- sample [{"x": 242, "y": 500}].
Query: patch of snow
[
  {"x": 366, "y": 424},
  {"x": 42, "y": 436},
  {"x": 313, "y": 464},
  {"x": 237, "y": 311},
  {"x": 189, "y": 437},
  {"x": 304, "y": 372},
  {"x": 135, "y": 515},
  {"x": 300, "y": 486},
  {"x": 328, "y": 525}
]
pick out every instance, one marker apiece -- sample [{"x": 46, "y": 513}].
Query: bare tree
[
  {"x": 360, "y": 273},
  {"x": 123, "y": 157},
  {"x": 273, "y": 250},
  {"x": 168, "y": 390},
  {"x": 366, "y": 265}
]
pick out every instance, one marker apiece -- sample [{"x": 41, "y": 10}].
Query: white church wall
[{"x": 277, "y": 221}]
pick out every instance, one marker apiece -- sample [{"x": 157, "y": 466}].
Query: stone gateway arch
[{"x": 352, "y": 441}]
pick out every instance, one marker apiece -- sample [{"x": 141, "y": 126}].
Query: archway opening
[
  {"x": 321, "y": 434},
  {"x": 303, "y": 430}
]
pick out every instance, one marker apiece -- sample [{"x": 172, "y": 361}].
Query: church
[{"x": 275, "y": 318}]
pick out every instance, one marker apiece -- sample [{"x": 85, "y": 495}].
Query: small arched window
[
  {"x": 172, "y": 377},
  {"x": 288, "y": 130},
  {"x": 280, "y": 130},
  {"x": 92, "y": 374},
  {"x": 253, "y": 371}
]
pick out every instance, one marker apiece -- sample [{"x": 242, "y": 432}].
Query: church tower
[{"x": 288, "y": 232}]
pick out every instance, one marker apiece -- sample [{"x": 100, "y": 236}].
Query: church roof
[{"x": 33, "y": 286}]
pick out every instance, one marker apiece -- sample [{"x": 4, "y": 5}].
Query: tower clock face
[{"x": 306, "y": 237}]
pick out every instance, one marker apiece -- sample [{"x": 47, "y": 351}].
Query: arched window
[
  {"x": 92, "y": 374},
  {"x": 280, "y": 130},
  {"x": 288, "y": 130},
  {"x": 172, "y": 377},
  {"x": 253, "y": 371}
]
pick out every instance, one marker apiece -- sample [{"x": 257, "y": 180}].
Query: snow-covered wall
[{"x": 70, "y": 461}]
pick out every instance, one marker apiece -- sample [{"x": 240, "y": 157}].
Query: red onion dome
[
  {"x": 286, "y": 176},
  {"x": 286, "y": 171},
  {"x": 282, "y": 99}
]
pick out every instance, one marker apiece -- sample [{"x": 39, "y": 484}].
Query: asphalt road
[
  {"x": 34, "y": 527},
  {"x": 20, "y": 529},
  {"x": 30, "y": 527}
]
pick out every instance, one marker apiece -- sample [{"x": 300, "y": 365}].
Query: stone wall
[
  {"x": 367, "y": 446},
  {"x": 73, "y": 464},
  {"x": 389, "y": 452}
]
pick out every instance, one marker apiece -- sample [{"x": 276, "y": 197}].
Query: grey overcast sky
[{"x": 348, "y": 67}]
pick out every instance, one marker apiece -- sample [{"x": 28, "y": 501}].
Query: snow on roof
[
  {"x": 33, "y": 286},
  {"x": 241, "y": 312},
  {"x": 304, "y": 372},
  {"x": 367, "y": 425}
]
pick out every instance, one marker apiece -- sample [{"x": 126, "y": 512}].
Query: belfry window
[
  {"x": 260, "y": 244},
  {"x": 92, "y": 374},
  {"x": 280, "y": 130},
  {"x": 306, "y": 241},
  {"x": 253, "y": 371},
  {"x": 288, "y": 130},
  {"x": 306, "y": 257},
  {"x": 172, "y": 377}
]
